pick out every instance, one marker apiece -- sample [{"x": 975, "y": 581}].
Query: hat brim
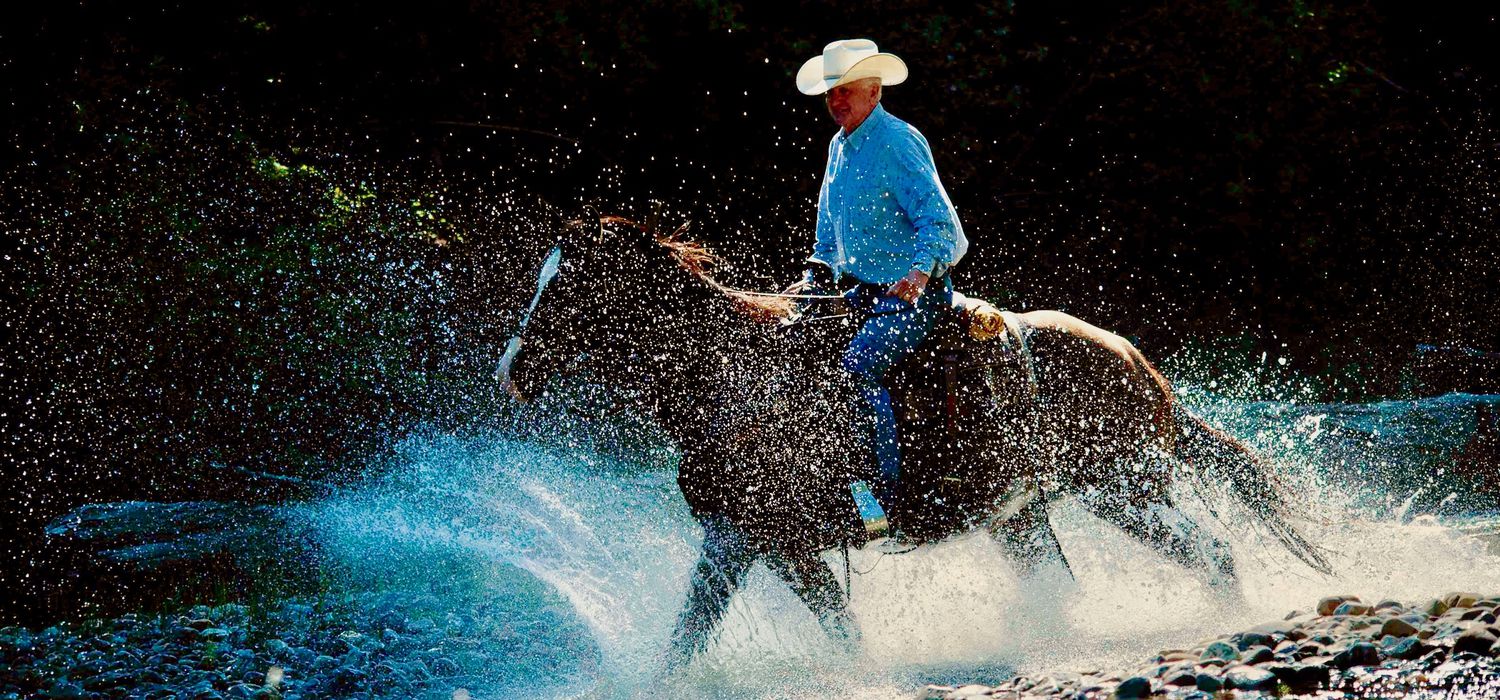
[{"x": 890, "y": 69}]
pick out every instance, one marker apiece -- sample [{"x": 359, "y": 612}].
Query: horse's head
[
  {"x": 589, "y": 304},
  {"x": 617, "y": 298}
]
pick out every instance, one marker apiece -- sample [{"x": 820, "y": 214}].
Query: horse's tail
[{"x": 1208, "y": 449}]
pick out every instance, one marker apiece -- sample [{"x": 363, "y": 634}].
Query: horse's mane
[{"x": 695, "y": 257}]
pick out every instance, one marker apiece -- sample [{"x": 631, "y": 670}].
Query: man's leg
[{"x": 892, "y": 330}]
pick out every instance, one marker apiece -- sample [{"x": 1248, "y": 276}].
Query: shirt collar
[{"x": 866, "y": 127}]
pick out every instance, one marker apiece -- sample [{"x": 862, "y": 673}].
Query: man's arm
[{"x": 920, "y": 194}]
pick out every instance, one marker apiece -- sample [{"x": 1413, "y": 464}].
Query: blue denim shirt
[{"x": 882, "y": 211}]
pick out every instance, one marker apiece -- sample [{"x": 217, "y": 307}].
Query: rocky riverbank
[
  {"x": 1343, "y": 647},
  {"x": 404, "y": 645},
  {"x": 367, "y": 646}
]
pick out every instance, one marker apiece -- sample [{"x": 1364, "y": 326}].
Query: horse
[{"x": 761, "y": 417}]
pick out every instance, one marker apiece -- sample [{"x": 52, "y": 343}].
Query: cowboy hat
[{"x": 845, "y": 61}]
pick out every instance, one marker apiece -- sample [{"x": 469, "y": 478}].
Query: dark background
[{"x": 256, "y": 240}]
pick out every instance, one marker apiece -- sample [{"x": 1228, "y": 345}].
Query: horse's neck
[{"x": 690, "y": 344}]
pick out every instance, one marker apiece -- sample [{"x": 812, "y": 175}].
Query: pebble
[
  {"x": 1407, "y": 648},
  {"x": 1249, "y": 678},
  {"x": 1258, "y": 655},
  {"x": 1328, "y": 605},
  {"x": 1221, "y": 651},
  {"x": 1358, "y": 654},
  {"x": 1461, "y": 600},
  {"x": 1476, "y": 641},
  {"x": 1134, "y": 687},
  {"x": 1181, "y": 678},
  {"x": 1253, "y": 639},
  {"x": 1397, "y": 627},
  {"x": 1353, "y": 607},
  {"x": 384, "y": 654},
  {"x": 972, "y": 691}
]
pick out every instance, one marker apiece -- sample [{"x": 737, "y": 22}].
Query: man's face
[{"x": 850, "y": 103}]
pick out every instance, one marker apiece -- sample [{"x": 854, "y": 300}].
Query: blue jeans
[{"x": 890, "y": 329}]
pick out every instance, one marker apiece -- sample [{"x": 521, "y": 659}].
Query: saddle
[
  {"x": 963, "y": 403},
  {"x": 976, "y": 360}
]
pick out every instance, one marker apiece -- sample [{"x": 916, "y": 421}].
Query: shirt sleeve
[
  {"x": 825, "y": 246},
  {"x": 920, "y": 194}
]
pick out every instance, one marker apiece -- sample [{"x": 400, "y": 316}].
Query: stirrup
[
  {"x": 894, "y": 544},
  {"x": 870, "y": 512}
]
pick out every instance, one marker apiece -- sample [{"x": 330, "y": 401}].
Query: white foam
[{"x": 620, "y": 552}]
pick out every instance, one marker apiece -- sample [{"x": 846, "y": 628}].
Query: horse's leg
[
  {"x": 1030, "y": 541},
  {"x": 811, "y": 579},
  {"x": 1138, "y": 503},
  {"x": 726, "y": 556}
]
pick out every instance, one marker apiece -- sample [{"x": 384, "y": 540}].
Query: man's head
[{"x": 852, "y": 102}]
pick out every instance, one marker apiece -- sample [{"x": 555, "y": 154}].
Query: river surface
[{"x": 578, "y": 556}]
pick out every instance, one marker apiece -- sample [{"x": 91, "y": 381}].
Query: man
[{"x": 884, "y": 222}]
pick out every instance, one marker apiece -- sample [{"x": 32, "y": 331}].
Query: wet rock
[
  {"x": 1181, "y": 679},
  {"x": 1406, "y": 648},
  {"x": 214, "y": 634},
  {"x": 304, "y": 657},
  {"x": 1447, "y": 631},
  {"x": 1258, "y": 655},
  {"x": 1210, "y": 683},
  {"x": 1353, "y": 607},
  {"x": 348, "y": 680},
  {"x": 1221, "y": 651},
  {"x": 1249, "y": 678},
  {"x": 1328, "y": 605},
  {"x": 1308, "y": 650},
  {"x": 1134, "y": 687},
  {"x": 934, "y": 692},
  {"x": 65, "y": 690},
  {"x": 1476, "y": 641},
  {"x": 1397, "y": 627},
  {"x": 1435, "y": 607},
  {"x": 278, "y": 649},
  {"x": 444, "y": 666},
  {"x": 1246, "y": 640},
  {"x": 972, "y": 691},
  {"x": 1282, "y": 670},
  {"x": 1309, "y": 676},
  {"x": 109, "y": 679},
  {"x": 1388, "y": 604},
  {"x": 1461, "y": 600},
  {"x": 1359, "y": 654}
]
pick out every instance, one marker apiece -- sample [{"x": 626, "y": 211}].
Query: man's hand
[{"x": 910, "y": 287}]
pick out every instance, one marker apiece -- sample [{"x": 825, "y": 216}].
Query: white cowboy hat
[{"x": 848, "y": 60}]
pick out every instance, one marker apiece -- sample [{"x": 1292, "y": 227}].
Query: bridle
[{"x": 550, "y": 266}]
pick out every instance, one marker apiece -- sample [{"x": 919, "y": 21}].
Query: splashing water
[{"x": 592, "y": 555}]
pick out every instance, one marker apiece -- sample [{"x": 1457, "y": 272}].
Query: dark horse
[{"x": 760, "y": 415}]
